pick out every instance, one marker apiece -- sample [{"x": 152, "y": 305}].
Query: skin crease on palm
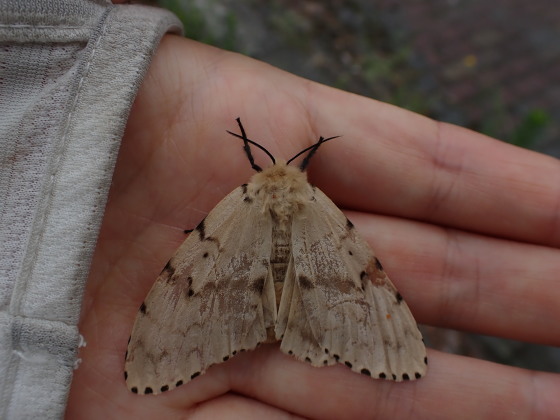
[{"x": 467, "y": 227}]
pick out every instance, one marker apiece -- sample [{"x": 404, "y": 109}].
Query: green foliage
[
  {"x": 197, "y": 26},
  {"x": 530, "y": 128},
  {"x": 520, "y": 129}
]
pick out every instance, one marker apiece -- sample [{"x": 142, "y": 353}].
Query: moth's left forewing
[
  {"x": 349, "y": 311},
  {"x": 213, "y": 299}
]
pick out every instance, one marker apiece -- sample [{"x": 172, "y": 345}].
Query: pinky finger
[{"x": 231, "y": 406}]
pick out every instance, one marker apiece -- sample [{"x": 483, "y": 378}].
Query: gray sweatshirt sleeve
[{"x": 69, "y": 71}]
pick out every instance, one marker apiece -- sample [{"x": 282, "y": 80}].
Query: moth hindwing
[{"x": 275, "y": 260}]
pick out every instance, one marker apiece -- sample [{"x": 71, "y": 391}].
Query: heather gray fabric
[{"x": 69, "y": 71}]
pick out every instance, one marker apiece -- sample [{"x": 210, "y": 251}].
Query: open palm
[{"x": 467, "y": 227}]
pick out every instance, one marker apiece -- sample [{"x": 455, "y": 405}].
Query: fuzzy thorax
[{"x": 283, "y": 190}]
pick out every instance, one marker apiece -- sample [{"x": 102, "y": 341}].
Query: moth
[{"x": 275, "y": 260}]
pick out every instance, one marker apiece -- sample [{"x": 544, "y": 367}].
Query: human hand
[{"x": 467, "y": 227}]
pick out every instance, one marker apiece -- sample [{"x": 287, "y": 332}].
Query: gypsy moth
[{"x": 275, "y": 260}]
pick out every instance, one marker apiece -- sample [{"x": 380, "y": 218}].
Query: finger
[
  {"x": 466, "y": 281},
  {"x": 454, "y": 387},
  {"x": 231, "y": 406},
  {"x": 393, "y": 161}
]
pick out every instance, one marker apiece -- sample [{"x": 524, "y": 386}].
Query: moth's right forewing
[
  {"x": 341, "y": 306},
  {"x": 213, "y": 299}
]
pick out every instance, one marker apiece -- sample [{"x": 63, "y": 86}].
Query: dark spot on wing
[
  {"x": 134, "y": 389},
  {"x": 425, "y": 360},
  {"x": 190, "y": 291},
  {"x": 129, "y": 338},
  {"x": 125, "y": 375},
  {"x": 234, "y": 352},
  {"x": 364, "y": 277},
  {"x": 326, "y": 351},
  {"x": 290, "y": 352},
  {"x": 405, "y": 377},
  {"x": 365, "y": 372},
  {"x": 350, "y": 253},
  {"x": 258, "y": 285},
  {"x": 399, "y": 297},
  {"x": 148, "y": 390},
  {"x": 194, "y": 375},
  {"x": 382, "y": 375},
  {"x": 349, "y": 224},
  {"x": 143, "y": 308},
  {"x": 246, "y": 198},
  {"x": 308, "y": 360},
  {"x": 187, "y": 231},
  {"x": 305, "y": 283},
  {"x": 378, "y": 265},
  {"x": 168, "y": 269},
  {"x": 201, "y": 230},
  {"x": 336, "y": 357},
  {"x": 225, "y": 358},
  {"x": 417, "y": 375},
  {"x": 179, "y": 383},
  {"x": 394, "y": 376},
  {"x": 348, "y": 364},
  {"x": 125, "y": 357},
  {"x": 164, "y": 388},
  {"x": 205, "y": 255}
]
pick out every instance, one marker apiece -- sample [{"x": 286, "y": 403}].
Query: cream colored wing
[
  {"x": 213, "y": 299},
  {"x": 339, "y": 306}
]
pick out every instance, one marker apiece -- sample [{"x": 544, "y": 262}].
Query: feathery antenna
[
  {"x": 312, "y": 149},
  {"x": 247, "y": 148}
]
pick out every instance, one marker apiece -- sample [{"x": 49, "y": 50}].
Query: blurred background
[{"x": 493, "y": 67}]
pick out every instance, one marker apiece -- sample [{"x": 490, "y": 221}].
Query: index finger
[{"x": 396, "y": 162}]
